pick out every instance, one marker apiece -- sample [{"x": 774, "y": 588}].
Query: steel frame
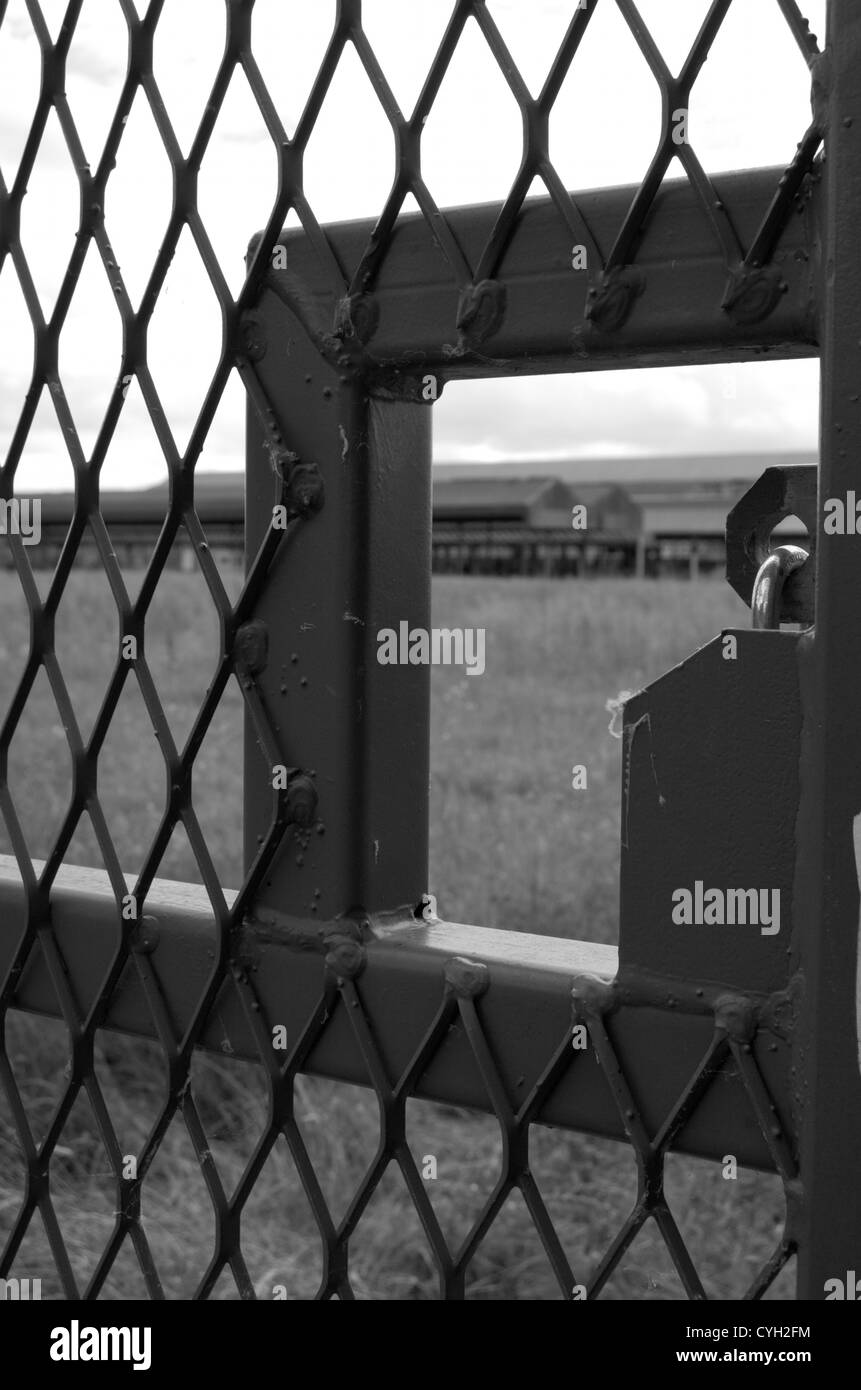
[{"x": 331, "y": 932}]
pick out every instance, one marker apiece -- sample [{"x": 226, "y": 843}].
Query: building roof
[
  {"x": 497, "y": 496},
  {"x": 633, "y": 471}
]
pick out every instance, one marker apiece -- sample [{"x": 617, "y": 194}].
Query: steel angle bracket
[
  {"x": 709, "y": 805},
  {"x": 710, "y": 798}
]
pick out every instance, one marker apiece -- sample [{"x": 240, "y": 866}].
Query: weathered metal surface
[
  {"x": 710, "y": 790},
  {"x": 360, "y": 563},
  {"x": 661, "y": 1029},
  {"x": 341, "y": 353},
  {"x": 542, "y": 324}
]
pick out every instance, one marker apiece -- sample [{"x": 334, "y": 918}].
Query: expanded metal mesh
[{"x": 460, "y": 1003}]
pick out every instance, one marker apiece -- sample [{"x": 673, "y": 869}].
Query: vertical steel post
[
  {"x": 361, "y": 562},
  {"x": 828, "y": 1072}
]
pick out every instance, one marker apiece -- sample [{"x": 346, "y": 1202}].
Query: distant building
[
  {"x": 488, "y": 525},
  {"x": 543, "y": 502},
  {"x": 669, "y": 516}
]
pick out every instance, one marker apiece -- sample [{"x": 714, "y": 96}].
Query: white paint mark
[
  {"x": 345, "y": 443},
  {"x": 376, "y": 851},
  {"x": 628, "y": 754},
  {"x": 614, "y": 707}
]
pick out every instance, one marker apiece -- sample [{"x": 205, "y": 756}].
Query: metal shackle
[{"x": 768, "y": 585}]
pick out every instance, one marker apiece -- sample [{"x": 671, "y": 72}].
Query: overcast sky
[{"x": 749, "y": 107}]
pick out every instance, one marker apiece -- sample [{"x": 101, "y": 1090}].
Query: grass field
[{"x": 511, "y": 846}]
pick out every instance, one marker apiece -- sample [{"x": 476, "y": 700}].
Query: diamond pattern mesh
[{"x": 460, "y": 1002}]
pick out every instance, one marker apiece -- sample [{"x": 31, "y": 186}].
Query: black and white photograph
[{"x": 430, "y": 762}]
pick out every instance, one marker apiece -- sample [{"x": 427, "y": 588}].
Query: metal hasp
[
  {"x": 769, "y": 584},
  {"x": 777, "y": 494}
]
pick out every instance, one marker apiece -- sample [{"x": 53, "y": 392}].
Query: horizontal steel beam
[
  {"x": 660, "y": 1029},
  {"x": 677, "y": 317}
]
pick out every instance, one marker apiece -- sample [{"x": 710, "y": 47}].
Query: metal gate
[{"x": 742, "y": 768}]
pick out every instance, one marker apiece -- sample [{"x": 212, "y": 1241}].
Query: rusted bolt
[
  {"x": 305, "y": 490},
  {"x": 481, "y": 310},
  {"x": 251, "y": 647},
  {"x": 752, "y": 293},
  {"x": 357, "y": 316},
  {"x": 301, "y": 800},
  {"x": 253, "y": 337},
  {"x": 609, "y": 304}
]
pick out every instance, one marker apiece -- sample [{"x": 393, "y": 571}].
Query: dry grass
[{"x": 511, "y": 845}]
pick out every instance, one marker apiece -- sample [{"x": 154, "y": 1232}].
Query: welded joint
[
  {"x": 609, "y": 303},
  {"x": 299, "y": 799},
  {"x": 592, "y": 998},
  {"x": 356, "y": 318},
  {"x": 821, "y": 79},
  {"x": 467, "y": 978},
  {"x": 736, "y": 1016},
  {"x": 480, "y": 311},
  {"x": 145, "y": 935},
  {"x": 345, "y": 958},
  {"x": 779, "y": 1013},
  {"x": 388, "y": 382},
  {"x": 251, "y": 647},
  {"x": 753, "y": 292},
  {"x": 304, "y": 491}
]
